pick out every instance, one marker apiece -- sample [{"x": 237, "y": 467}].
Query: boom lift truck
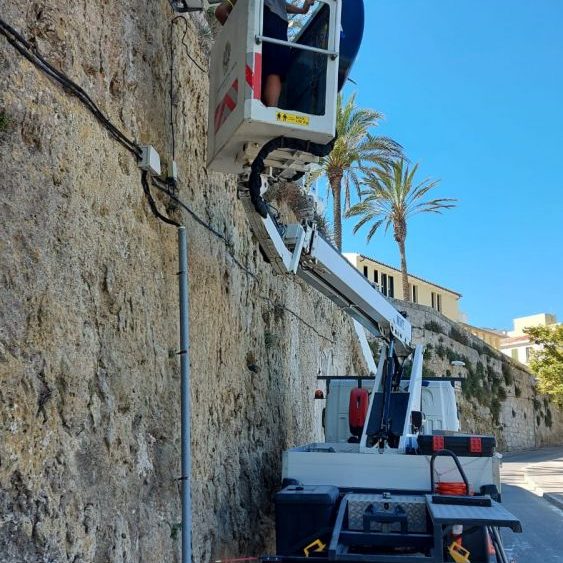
[{"x": 375, "y": 496}]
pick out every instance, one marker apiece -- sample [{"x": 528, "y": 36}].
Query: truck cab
[{"x": 438, "y": 406}]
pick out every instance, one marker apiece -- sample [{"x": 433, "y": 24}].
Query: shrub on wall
[
  {"x": 507, "y": 374},
  {"x": 459, "y": 335},
  {"x": 433, "y": 326}
]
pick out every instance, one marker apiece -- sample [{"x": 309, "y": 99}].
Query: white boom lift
[{"x": 373, "y": 497}]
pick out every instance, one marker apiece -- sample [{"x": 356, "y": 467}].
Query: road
[{"x": 523, "y": 476}]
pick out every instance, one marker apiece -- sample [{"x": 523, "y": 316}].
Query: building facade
[
  {"x": 517, "y": 344},
  {"x": 388, "y": 280},
  {"x": 489, "y": 335}
]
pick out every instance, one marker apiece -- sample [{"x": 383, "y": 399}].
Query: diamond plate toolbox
[{"x": 414, "y": 507}]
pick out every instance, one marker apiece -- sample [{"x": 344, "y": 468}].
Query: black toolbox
[
  {"x": 303, "y": 513},
  {"x": 463, "y": 445}
]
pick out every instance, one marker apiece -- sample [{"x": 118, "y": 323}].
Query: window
[
  {"x": 391, "y": 286},
  {"x": 414, "y": 294},
  {"x": 514, "y": 353},
  {"x": 529, "y": 351},
  {"x": 437, "y": 301},
  {"x": 366, "y": 271},
  {"x": 375, "y": 276},
  {"x": 384, "y": 284}
]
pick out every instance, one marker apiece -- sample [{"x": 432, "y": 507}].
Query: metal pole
[{"x": 185, "y": 397}]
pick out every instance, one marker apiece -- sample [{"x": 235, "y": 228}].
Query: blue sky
[{"x": 473, "y": 90}]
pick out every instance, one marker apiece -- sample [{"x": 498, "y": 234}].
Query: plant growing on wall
[
  {"x": 391, "y": 198},
  {"x": 547, "y": 363}
]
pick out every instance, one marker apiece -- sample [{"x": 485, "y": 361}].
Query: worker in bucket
[{"x": 275, "y": 58}]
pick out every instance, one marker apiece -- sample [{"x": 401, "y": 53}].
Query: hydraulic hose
[{"x": 257, "y": 167}]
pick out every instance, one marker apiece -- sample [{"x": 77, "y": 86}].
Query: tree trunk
[
  {"x": 404, "y": 271},
  {"x": 336, "y": 187}
]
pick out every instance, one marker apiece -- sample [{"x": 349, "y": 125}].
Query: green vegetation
[
  {"x": 445, "y": 352},
  {"x": 485, "y": 386},
  {"x": 547, "y": 363},
  {"x": 355, "y": 147},
  {"x": 427, "y": 372},
  {"x": 269, "y": 339},
  {"x": 433, "y": 326},
  {"x": 495, "y": 410},
  {"x": 392, "y": 196},
  {"x": 175, "y": 530},
  {"x": 548, "y": 418},
  {"x": 459, "y": 335},
  {"x": 507, "y": 374},
  {"x": 5, "y": 121}
]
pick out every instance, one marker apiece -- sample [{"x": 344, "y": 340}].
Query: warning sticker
[{"x": 292, "y": 118}]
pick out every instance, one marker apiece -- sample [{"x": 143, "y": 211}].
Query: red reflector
[
  {"x": 437, "y": 443},
  {"x": 475, "y": 445}
]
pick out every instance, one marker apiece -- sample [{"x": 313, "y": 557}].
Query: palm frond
[{"x": 390, "y": 195}]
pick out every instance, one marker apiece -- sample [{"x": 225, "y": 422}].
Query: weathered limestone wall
[
  {"x": 89, "y": 393},
  {"x": 498, "y": 396}
]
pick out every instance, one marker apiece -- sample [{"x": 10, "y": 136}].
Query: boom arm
[{"x": 303, "y": 251}]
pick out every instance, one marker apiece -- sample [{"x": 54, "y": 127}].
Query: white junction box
[
  {"x": 237, "y": 116},
  {"x": 150, "y": 160}
]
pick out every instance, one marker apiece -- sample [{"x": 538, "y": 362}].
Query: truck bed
[{"x": 342, "y": 465}]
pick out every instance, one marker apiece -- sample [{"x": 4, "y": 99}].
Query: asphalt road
[{"x": 542, "y": 538}]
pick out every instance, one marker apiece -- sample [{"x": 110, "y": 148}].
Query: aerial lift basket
[{"x": 239, "y": 123}]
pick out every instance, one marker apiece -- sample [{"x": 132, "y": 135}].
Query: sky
[{"x": 473, "y": 91}]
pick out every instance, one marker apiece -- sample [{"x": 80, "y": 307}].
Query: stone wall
[
  {"x": 498, "y": 395},
  {"x": 89, "y": 394}
]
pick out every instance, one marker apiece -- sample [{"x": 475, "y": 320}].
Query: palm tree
[
  {"x": 391, "y": 198},
  {"x": 354, "y": 148}
]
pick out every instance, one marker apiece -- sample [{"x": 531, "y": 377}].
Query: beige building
[
  {"x": 489, "y": 335},
  {"x": 516, "y": 343},
  {"x": 388, "y": 281}
]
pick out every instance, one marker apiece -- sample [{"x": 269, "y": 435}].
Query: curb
[{"x": 556, "y": 500}]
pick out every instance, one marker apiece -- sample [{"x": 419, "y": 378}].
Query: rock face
[
  {"x": 498, "y": 395},
  {"x": 89, "y": 395}
]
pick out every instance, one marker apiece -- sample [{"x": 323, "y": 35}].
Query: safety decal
[
  {"x": 227, "y": 105},
  {"x": 292, "y": 118}
]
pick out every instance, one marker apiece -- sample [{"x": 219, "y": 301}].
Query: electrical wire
[
  {"x": 163, "y": 187},
  {"x": 160, "y": 185},
  {"x": 32, "y": 55},
  {"x": 171, "y": 92},
  {"x": 26, "y": 49},
  {"x": 152, "y": 203},
  {"x": 183, "y": 41}
]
